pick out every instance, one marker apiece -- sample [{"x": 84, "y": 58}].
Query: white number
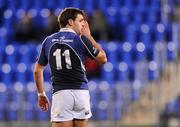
[
  {"x": 66, "y": 54},
  {"x": 57, "y": 54},
  {"x": 67, "y": 59}
]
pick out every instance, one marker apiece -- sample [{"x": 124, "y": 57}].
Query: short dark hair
[{"x": 68, "y": 13}]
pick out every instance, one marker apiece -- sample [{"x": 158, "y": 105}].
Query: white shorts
[{"x": 70, "y": 104}]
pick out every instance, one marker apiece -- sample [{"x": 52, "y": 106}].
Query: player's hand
[
  {"x": 86, "y": 30},
  {"x": 43, "y": 102}
]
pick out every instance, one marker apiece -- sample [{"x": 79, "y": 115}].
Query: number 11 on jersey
[{"x": 59, "y": 57}]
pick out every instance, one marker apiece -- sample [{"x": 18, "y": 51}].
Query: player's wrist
[{"x": 41, "y": 94}]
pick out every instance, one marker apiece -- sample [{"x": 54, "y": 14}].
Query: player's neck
[{"x": 67, "y": 29}]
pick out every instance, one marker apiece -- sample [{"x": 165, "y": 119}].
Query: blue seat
[
  {"x": 20, "y": 73},
  {"x": 122, "y": 20},
  {"x": 103, "y": 96},
  {"x": 139, "y": 52},
  {"x": 128, "y": 4},
  {"x": 4, "y": 99},
  {"x": 6, "y": 78},
  {"x": 16, "y": 93},
  {"x": 115, "y": 3},
  {"x": 31, "y": 96},
  {"x": 62, "y": 3},
  {"x": 12, "y": 5},
  {"x": 37, "y": 5},
  {"x": 102, "y": 5},
  {"x": 135, "y": 89},
  {"x": 138, "y": 18},
  {"x": 3, "y": 93},
  {"x": 131, "y": 71},
  {"x": 3, "y": 41},
  {"x": 42, "y": 116},
  {"x": 111, "y": 13},
  {"x": 102, "y": 110},
  {"x": 168, "y": 31},
  {"x": 146, "y": 38},
  {"x": 3, "y": 3},
  {"x": 21, "y": 77},
  {"x": 10, "y": 55},
  {"x": 126, "y": 53},
  {"x": 77, "y": 3},
  {"x": 12, "y": 111},
  {"x": 107, "y": 72},
  {"x": 24, "y": 5},
  {"x": 29, "y": 74},
  {"x": 33, "y": 52},
  {"x": 152, "y": 71},
  {"x": 130, "y": 34},
  {"x": 88, "y": 5},
  {"x": 2, "y": 114},
  {"x": 108, "y": 69},
  {"x": 49, "y": 4},
  {"x": 93, "y": 84},
  {"x": 104, "y": 91},
  {"x": 159, "y": 36},
  {"x": 117, "y": 113},
  {"x": 112, "y": 48},
  {"x": 155, "y": 4},
  {"x": 23, "y": 54},
  {"x": 153, "y": 17},
  {"x": 29, "y": 111},
  {"x": 142, "y": 3},
  {"x": 171, "y": 51},
  {"x": 122, "y": 71}
]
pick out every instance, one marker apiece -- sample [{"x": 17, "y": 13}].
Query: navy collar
[{"x": 67, "y": 30}]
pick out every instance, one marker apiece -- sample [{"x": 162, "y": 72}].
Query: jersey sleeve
[
  {"x": 89, "y": 49},
  {"x": 42, "y": 59}
]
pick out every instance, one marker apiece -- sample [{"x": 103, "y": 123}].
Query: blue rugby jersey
[{"x": 65, "y": 51}]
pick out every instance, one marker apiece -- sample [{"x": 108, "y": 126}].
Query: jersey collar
[{"x": 67, "y": 30}]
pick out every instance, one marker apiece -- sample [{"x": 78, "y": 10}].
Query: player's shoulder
[
  {"x": 53, "y": 36},
  {"x": 49, "y": 38},
  {"x": 81, "y": 38},
  {"x": 62, "y": 36},
  {"x": 84, "y": 38}
]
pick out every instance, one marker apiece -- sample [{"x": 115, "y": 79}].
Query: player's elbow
[
  {"x": 38, "y": 69},
  {"x": 102, "y": 59},
  {"x": 36, "y": 72}
]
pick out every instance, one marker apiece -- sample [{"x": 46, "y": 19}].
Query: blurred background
[{"x": 138, "y": 86}]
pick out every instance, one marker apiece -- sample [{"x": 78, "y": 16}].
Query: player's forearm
[
  {"x": 95, "y": 44},
  {"x": 101, "y": 58},
  {"x": 38, "y": 78}
]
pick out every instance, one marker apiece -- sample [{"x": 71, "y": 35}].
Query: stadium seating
[{"x": 140, "y": 21}]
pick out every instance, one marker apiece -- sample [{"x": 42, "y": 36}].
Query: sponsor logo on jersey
[
  {"x": 62, "y": 39},
  {"x": 66, "y": 40}
]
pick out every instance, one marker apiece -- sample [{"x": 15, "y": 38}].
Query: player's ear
[{"x": 70, "y": 22}]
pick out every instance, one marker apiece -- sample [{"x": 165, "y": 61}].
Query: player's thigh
[
  {"x": 80, "y": 123},
  {"x": 62, "y": 105},
  {"x": 82, "y": 108},
  {"x": 62, "y": 124}
]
